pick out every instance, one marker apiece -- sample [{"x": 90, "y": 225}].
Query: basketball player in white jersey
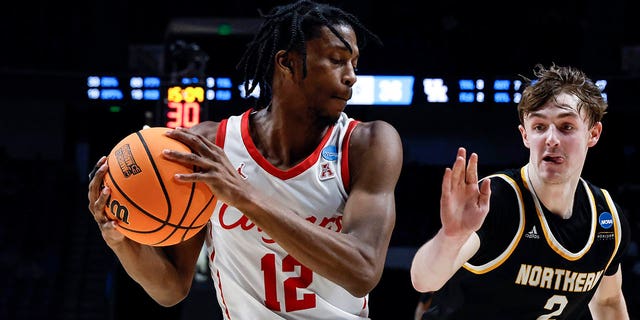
[{"x": 306, "y": 201}]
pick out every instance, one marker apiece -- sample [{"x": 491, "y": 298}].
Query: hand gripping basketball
[{"x": 151, "y": 207}]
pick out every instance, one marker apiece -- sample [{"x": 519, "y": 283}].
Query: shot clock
[{"x": 184, "y": 105}]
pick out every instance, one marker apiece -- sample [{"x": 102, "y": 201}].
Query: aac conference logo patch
[{"x": 605, "y": 220}]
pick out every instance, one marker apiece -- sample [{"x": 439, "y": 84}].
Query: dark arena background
[{"x": 75, "y": 78}]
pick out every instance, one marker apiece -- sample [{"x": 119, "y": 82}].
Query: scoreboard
[
  {"x": 434, "y": 115},
  {"x": 182, "y": 104},
  {"x": 190, "y": 100}
]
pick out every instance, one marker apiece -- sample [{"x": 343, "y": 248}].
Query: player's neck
[
  {"x": 280, "y": 140},
  {"x": 556, "y": 197}
]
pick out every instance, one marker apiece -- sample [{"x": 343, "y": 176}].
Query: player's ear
[
  {"x": 283, "y": 61},
  {"x": 594, "y": 134},
  {"x": 523, "y": 133}
]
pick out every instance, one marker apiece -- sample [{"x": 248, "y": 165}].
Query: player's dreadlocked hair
[{"x": 288, "y": 27}]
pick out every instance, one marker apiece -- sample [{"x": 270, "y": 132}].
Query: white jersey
[{"x": 254, "y": 277}]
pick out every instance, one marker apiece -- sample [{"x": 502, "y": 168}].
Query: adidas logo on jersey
[{"x": 533, "y": 234}]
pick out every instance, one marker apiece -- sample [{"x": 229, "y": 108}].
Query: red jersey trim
[
  {"x": 344, "y": 163},
  {"x": 224, "y": 303},
  {"x": 222, "y": 133},
  {"x": 266, "y": 165}
]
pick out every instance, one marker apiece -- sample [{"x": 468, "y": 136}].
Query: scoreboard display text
[
  {"x": 184, "y": 106},
  {"x": 186, "y": 103}
]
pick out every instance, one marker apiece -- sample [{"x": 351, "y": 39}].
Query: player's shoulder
[
  {"x": 602, "y": 195},
  {"x": 375, "y": 144},
  {"x": 377, "y": 139},
  {"x": 375, "y": 156},
  {"x": 505, "y": 182},
  {"x": 591, "y": 185},
  {"x": 368, "y": 131},
  {"x": 513, "y": 173},
  {"x": 507, "y": 175}
]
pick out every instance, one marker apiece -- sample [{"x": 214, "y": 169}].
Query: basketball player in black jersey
[{"x": 536, "y": 242}]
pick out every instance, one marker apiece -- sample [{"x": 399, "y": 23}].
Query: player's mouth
[
  {"x": 344, "y": 96},
  {"x": 553, "y": 159}
]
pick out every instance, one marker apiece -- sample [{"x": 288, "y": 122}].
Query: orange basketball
[{"x": 149, "y": 205}]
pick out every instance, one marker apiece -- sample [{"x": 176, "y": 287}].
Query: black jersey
[{"x": 532, "y": 264}]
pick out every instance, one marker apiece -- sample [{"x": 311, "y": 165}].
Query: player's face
[
  {"x": 330, "y": 73},
  {"x": 558, "y": 137}
]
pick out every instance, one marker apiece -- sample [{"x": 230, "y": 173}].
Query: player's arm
[
  {"x": 463, "y": 207},
  {"x": 608, "y": 302},
  {"x": 166, "y": 273},
  {"x": 375, "y": 163},
  {"x": 353, "y": 258}
]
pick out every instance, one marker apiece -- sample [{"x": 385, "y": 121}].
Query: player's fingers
[
  {"x": 100, "y": 162},
  {"x": 183, "y": 135},
  {"x": 97, "y": 173},
  {"x": 197, "y": 143},
  {"x": 485, "y": 194},
  {"x": 186, "y": 158},
  {"x": 472, "y": 169},
  {"x": 446, "y": 179},
  {"x": 95, "y": 185},
  {"x": 99, "y": 206},
  {"x": 458, "y": 169},
  {"x": 446, "y": 183},
  {"x": 191, "y": 177}
]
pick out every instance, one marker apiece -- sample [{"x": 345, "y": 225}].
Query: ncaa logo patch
[
  {"x": 605, "y": 220},
  {"x": 330, "y": 153}
]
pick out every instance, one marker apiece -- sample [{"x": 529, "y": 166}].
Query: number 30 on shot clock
[{"x": 184, "y": 105}]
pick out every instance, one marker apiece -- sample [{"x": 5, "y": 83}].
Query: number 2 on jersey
[
  {"x": 558, "y": 302},
  {"x": 291, "y": 284}
]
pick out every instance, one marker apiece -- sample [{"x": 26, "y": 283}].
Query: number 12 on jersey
[{"x": 290, "y": 285}]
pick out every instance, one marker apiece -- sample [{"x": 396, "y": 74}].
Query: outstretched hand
[{"x": 463, "y": 204}]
